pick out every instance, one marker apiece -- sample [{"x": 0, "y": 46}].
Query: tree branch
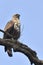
[{"x": 20, "y": 47}]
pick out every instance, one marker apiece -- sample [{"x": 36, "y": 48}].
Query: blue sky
[{"x": 31, "y": 12}]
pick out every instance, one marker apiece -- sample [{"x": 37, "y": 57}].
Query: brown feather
[{"x": 8, "y": 25}]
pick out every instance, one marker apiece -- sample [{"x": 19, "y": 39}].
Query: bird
[{"x": 13, "y": 28}]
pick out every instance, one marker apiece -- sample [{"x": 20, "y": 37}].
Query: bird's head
[{"x": 16, "y": 16}]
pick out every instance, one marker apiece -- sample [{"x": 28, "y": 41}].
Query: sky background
[{"x": 31, "y": 12}]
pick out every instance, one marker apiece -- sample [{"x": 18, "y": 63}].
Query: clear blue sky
[{"x": 31, "y": 12}]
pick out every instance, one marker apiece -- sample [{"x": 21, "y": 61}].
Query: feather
[{"x": 8, "y": 25}]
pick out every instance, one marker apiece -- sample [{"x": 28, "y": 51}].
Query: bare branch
[{"x": 20, "y": 47}]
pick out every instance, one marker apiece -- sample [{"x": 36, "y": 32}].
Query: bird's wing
[{"x": 8, "y": 25}]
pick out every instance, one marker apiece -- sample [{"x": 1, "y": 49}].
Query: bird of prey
[{"x": 13, "y": 28}]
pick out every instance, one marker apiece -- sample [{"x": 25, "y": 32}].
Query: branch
[{"x": 20, "y": 47}]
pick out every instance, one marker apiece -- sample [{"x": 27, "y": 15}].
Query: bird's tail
[{"x": 9, "y": 51}]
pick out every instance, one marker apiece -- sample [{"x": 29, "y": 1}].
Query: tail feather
[{"x": 9, "y": 52}]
